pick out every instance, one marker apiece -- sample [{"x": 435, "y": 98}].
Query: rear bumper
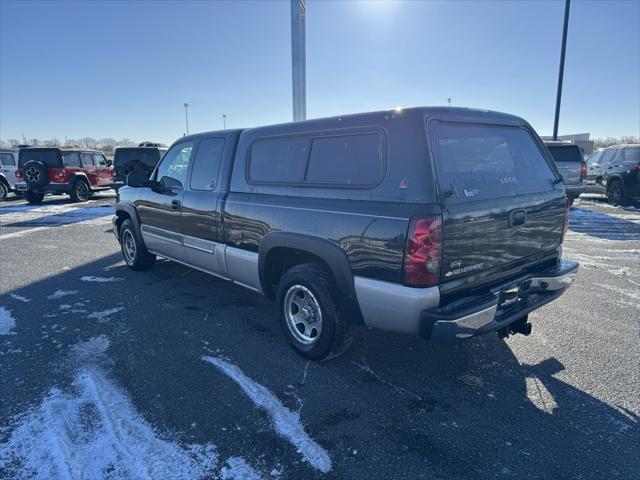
[
  {"x": 574, "y": 190},
  {"x": 417, "y": 310},
  {"x": 495, "y": 311},
  {"x": 48, "y": 188}
]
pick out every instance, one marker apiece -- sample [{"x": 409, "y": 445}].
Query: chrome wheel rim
[
  {"x": 129, "y": 247},
  {"x": 32, "y": 175},
  {"x": 82, "y": 191},
  {"x": 614, "y": 193},
  {"x": 303, "y": 314}
]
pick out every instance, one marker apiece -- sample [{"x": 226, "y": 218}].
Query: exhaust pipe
[{"x": 521, "y": 326}]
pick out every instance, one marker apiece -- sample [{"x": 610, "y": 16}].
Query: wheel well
[
  {"x": 121, "y": 216},
  {"x": 4, "y": 181},
  {"x": 281, "y": 259}
]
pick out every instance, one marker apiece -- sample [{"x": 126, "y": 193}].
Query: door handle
[{"x": 175, "y": 205}]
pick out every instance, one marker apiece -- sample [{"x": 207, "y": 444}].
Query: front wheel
[
  {"x": 615, "y": 195},
  {"x": 33, "y": 197},
  {"x": 81, "y": 191},
  {"x": 4, "y": 191},
  {"x": 134, "y": 252},
  {"x": 310, "y": 313}
]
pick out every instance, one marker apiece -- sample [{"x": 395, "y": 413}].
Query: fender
[
  {"x": 131, "y": 211},
  {"x": 77, "y": 175},
  {"x": 328, "y": 251}
]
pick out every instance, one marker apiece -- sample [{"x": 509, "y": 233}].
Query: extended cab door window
[
  {"x": 172, "y": 171},
  {"x": 206, "y": 164}
]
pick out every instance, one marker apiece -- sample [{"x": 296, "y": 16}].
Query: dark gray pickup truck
[{"x": 440, "y": 222}]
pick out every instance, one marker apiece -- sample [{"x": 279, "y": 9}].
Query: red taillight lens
[
  {"x": 565, "y": 226},
  {"x": 583, "y": 171},
  {"x": 423, "y": 254},
  {"x": 18, "y": 173}
]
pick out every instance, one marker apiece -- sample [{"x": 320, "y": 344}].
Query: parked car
[
  {"x": 570, "y": 162},
  {"x": 130, "y": 159},
  {"x": 8, "y": 167},
  {"x": 615, "y": 172},
  {"x": 77, "y": 172},
  {"x": 440, "y": 222}
]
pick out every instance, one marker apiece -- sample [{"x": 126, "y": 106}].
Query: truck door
[
  {"x": 160, "y": 207},
  {"x": 203, "y": 201}
]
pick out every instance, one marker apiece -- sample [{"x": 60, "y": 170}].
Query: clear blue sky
[{"x": 124, "y": 69}]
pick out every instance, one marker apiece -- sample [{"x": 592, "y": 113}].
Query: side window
[
  {"x": 278, "y": 161},
  {"x": 100, "y": 160},
  {"x": 174, "y": 165},
  {"x": 7, "y": 160},
  {"x": 607, "y": 157},
  {"x": 71, "y": 159},
  {"x": 595, "y": 158},
  {"x": 631, "y": 156},
  {"x": 87, "y": 159},
  {"x": 206, "y": 164},
  {"x": 346, "y": 160}
]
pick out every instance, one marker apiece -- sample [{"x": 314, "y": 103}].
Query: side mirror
[
  {"x": 109, "y": 163},
  {"x": 169, "y": 182},
  {"x": 137, "y": 179}
]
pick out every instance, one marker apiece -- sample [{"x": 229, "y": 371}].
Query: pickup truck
[
  {"x": 571, "y": 165},
  {"x": 440, "y": 222}
]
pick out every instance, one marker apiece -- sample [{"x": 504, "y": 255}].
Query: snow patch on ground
[
  {"x": 104, "y": 314},
  {"x": 54, "y": 214},
  {"x": 20, "y": 298},
  {"x": 93, "y": 431},
  {"x": 238, "y": 469},
  {"x": 7, "y": 322},
  {"x": 101, "y": 279},
  {"x": 287, "y": 423},
  {"x": 61, "y": 293},
  {"x": 92, "y": 348}
]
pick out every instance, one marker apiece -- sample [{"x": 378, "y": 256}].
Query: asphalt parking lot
[{"x": 169, "y": 373}]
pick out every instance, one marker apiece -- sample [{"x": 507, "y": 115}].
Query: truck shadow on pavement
[{"x": 392, "y": 407}]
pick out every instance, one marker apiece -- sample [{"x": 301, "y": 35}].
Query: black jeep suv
[
  {"x": 143, "y": 158},
  {"x": 440, "y": 222}
]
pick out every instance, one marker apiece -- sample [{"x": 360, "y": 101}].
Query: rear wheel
[
  {"x": 310, "y": 313},
  {"x": 80, "y": 191},
  {"x": 615, "y": 194},
  {"x": 134, "y": 252},
  {"x": 4, "y": 191},
  {"x": 33, "y": 197}
]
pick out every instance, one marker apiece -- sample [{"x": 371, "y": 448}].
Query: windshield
[
  {"x": 487, "y": 161},
  {"x": 565, "y": 153},
  {"x": 50, "y": 158}
]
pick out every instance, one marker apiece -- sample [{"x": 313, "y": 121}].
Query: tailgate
[
  {"x": 568, "y": 159},
  {"x": 502, "y": 203}
]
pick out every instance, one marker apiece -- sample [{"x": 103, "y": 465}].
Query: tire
[
  {"x": 33, "y": 197},
  {"x": 134, "y": 252},
  {"x": 80, "y": 192},
  {"x": 4, "y": 191},
  {"x": 615, "y": 193},
  {"x": 35, "y": 174},
  {"x": 307, "y": 294}
]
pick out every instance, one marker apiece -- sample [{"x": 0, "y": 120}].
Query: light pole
[
  {"x": 224, "y": 121},
  {"x": 449, "y": 101},
  {"x": 186, "y": 116},
  {"x": 298, "y": 60},
  {"x": 561, "y": 72}
]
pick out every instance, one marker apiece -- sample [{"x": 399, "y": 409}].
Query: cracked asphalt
[{"x": 561, "y": 403}]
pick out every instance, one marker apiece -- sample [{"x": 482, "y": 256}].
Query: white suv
[{"x": 8, "y": 167}]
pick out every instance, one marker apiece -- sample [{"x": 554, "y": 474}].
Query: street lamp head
[{"x": 186, "y": 105}]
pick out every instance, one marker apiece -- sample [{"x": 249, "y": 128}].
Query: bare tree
[{"x": 608, "y": 141}]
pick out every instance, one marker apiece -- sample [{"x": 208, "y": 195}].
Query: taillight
[
  {"x": 565, "y": 226},
  {"x": 583, "y": 171},
  {"x": 18, "y": 173},
  {"x": 423, "y": 253}
]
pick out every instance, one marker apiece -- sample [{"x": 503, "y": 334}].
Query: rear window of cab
[{"x": 476, "y": 161}]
